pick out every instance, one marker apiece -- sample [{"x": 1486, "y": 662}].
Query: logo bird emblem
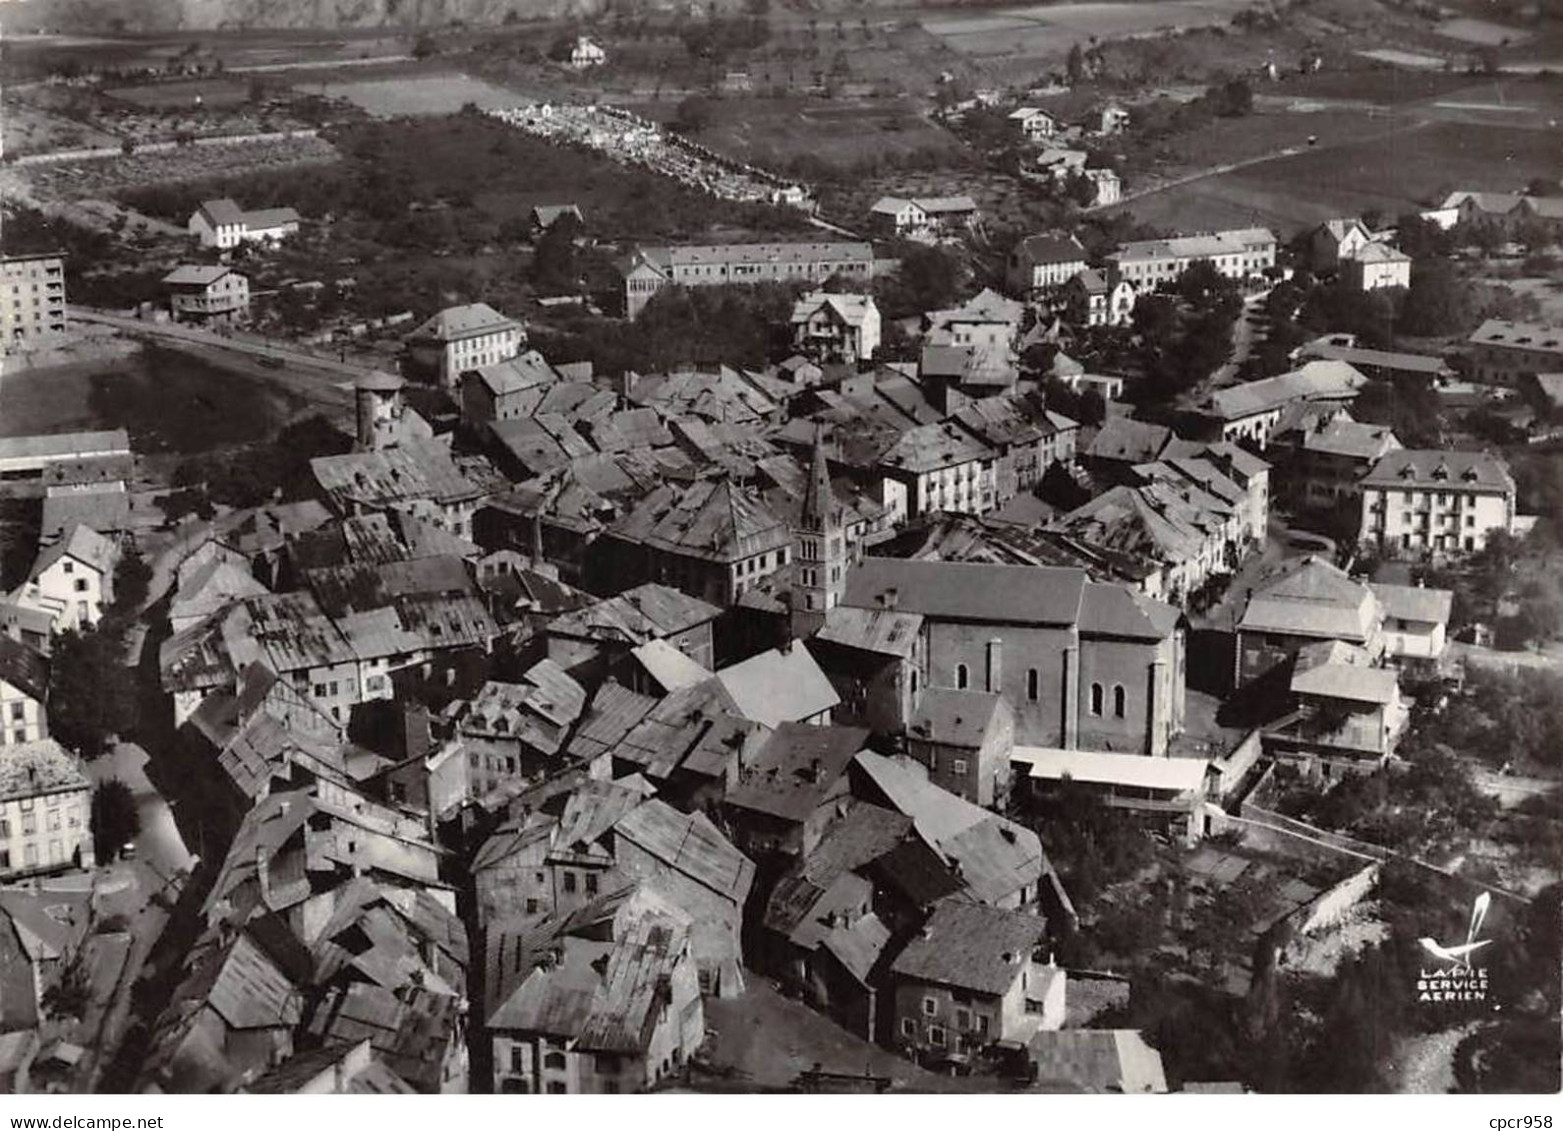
[{"x": 1461, "y": 955}]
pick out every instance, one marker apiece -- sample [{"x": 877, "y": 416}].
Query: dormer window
[{"x": 1440, "y": 473}]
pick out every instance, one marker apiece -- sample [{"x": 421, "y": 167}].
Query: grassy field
[
  {"x": 422, "y": 95},
  {"x": 215, "y": 93},
  {"x": 1392, "y": 174},
  {"x": 1051, "y": 30},
  {"x": 169, "y": 402},
  {"x": 773, "y": 132}
]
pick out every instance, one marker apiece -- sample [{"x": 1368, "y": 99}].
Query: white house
[
  {"x": 72, "y": 580},
  {"x": 1040, "y": 263},
  {"x": 585, "y": 54},
  {"x": 1377, "y": 265},
  {"x": 836, "y": 327},
  {"x": 224, "y": 225},
  {"x": 1034, "y": 123},
  {"x": 460, "y": 338},
  {"x": 1108, "y": 185}
]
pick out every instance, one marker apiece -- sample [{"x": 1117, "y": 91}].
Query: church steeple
[
  {"x": 819, "y": 499},
  {"x": 819, "y": 578}
]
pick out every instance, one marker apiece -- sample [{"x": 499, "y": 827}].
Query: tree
[
  {"x": 555, "y": 266},
  {"x": 927, "y": 279},
  {"x": 425, "y": 47},
  {"x": 132, "y": 582},
  {"x": 92, "y": 695},
  {"x": 562, "y": 47},
  {"x": 1075, "y": 65},
  {"x": 115, "y": 818}
]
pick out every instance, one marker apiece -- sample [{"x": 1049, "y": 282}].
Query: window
[
  {"x": 1120, "y": 701},
  {"x": 517, "y": 1058},
  {"x": 555, "y": 1061},
  {"x": 958, "y": 767},
  {"x": 531, "y": 907},
  {"x": 607, "y": 1064},
  {"x": 16, "y": 712},
  {"x": 569, "y": 881},
  {"x": 81, "y": 585},
  {"x": 558, "y": 1088},
  {"x": 591, "y": 883},
  {"x": 908, "y": 1027},
  {"x": 914, "y": 681},
  {"x": 930, "y": 1007},
  {"x": 1096, "y": 699},
  {"x": 936, "y": 1036},
  {"x": 962, "y": 676},
  {"x": 963, "y": 1019},
  {"x": 982, "y": 1024},
  {"x": 1033, "y": 685}
]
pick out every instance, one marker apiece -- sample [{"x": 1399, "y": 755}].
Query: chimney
[{"x": 816, "y": 771}]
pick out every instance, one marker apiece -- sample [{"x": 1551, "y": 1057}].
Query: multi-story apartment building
[
  {"x": 1501, "y": 351},
  {"x": 943, "y": 468},
  {"x": 460, "y": 338},
  {"x": 650, "y": 269},
  {"x": 1422, "y": 502},
  {"x": 45, "y": 809},
  {"x": 1041, "y": 262},
  {"x": 32, "y": 297},
  {"x": 1237, "y": 254},
  {"x": 198, "y": 293}
]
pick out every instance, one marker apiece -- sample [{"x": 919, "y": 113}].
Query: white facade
[
  {"x": 22, "y": 717},
  {"x": 71, "y": 591},
  {"x": 1450, "y": 520},
  {"x": 223, "y": 236},
  {"x": 37, "y": 833}
]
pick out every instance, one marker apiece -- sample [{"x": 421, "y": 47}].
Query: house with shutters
[{"x": 24, "y": 693}]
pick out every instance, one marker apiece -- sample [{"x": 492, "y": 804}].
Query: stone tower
[
  {"x": 380, "y": 410},
  {"x": 820, "y": 574}
]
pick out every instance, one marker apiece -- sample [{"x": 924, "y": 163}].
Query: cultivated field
[
  {"x": 1053, "y": 29},
  {"x": 1412, "y": 169},
  {"x": 774, "y": 132},
  {"x": 422, "y": 95},
  {"x": 213, "y": 93},
  {"x": 1483, "y": 33}
]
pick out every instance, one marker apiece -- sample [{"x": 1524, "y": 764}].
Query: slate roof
[
  {"x": 1096, "y": 1060},
  {"x": 24, "y": 668},
  {"x": 1414, "y": 603},
  {"x": 713, "y": 519},
  {"x": 39, "y": 768},
  {"x": 688, "y": 843},
  {"x": 886, "y": 632},
  {"x": 195, "y": 275},
  {"x": 954, "y": 718},
  {"x": 457, "y": 322},
  {"x": 1129, "y": 441},
  {"x": 83, "y": 544},
  {"x": 1333, "y": 669},
  {"x": 776, "y": 687},
  {"x": 970, "y": 946},
  {"x": 1312, "y": 597},
  {"x": 223, "y": 211},
  {"x": 647, "y": 612},
  {"x": 1438, "y": 469},
  {"x": 1041, "y": 249},
  {"x": 414, "y": 469},
  {"x": 997, "y": 594},
  {"x": 1315, "y": 380},
  {"x": 797, "y": 770}
]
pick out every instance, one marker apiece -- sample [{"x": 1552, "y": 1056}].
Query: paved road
[{"x": 1509, "y": 789}]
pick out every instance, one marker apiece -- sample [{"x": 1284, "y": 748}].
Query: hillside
[{"x": 212, "y": 15}]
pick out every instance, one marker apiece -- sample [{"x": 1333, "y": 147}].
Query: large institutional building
[{"x": 32, "y": 297}]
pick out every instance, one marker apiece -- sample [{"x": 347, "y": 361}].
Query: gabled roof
[
  {"x": 668, "y": 666},
  {"x": 38, "y": 768},
  {"x": 1333, "y": 669},
  {"x": 955, "y": 718},
  {"x": 970, "y": 946},
  {"x": 224, "y": 211},
  {"x": 1129, "y": 441},
  {"x": 263, "y": 219},
  {"x": 1096, "y": 1060},
  {"x": 712, "y": 519},
  {"x": 688, "y": 843},
  {"x": 776, "y": 687},
  {"x": 887, "y": 632},
  {"x": 1132, "y": 771},
  {"x": 1040, "y": 250},
  {"x": 82, "y": 544},
  {"x": 1316, "y": 380},
  {"x": 647, "y": 612},
  {"x": 1000, "y": 594},
  {"x": 852, "y": 309},
  {"x": 1312, "y": 597},
  {"x": 455, "y": 323},
  {"x": 1414, "y": 603},
  {"x": 797, "y": 769},
  {"x": 195, "y": 275},
  {"x": 1438, "y": 469}
]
